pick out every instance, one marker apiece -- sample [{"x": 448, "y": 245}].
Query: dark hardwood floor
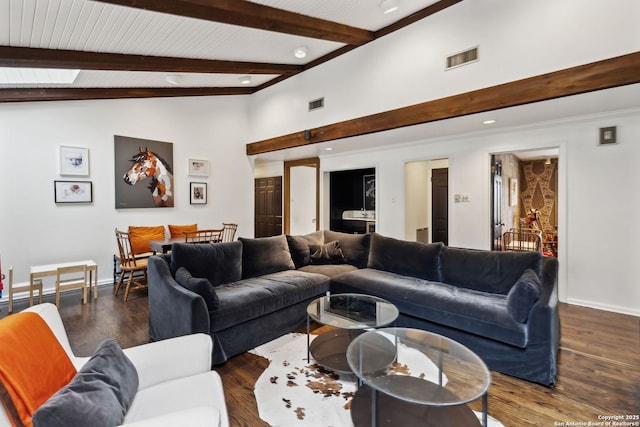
[{"x": 598, "y": 364}]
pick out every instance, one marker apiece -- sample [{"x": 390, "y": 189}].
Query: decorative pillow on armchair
[{"x": 98, "y": 396}]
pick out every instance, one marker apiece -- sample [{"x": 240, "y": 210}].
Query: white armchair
[{"x": 176, "y": 383}]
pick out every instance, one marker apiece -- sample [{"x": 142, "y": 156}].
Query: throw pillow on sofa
[
  {"x": 523, "y": 295},
  {"x": 329, "y": 253},
  {"x": 299, "y": 247},
  {"x": 99, "y": 395},
  {"x": 200, "y": 286},
  {"x": 265, "y": 255},
  {"x": 355, "y": 247}
]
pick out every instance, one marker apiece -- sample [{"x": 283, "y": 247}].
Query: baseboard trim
[{"x": 605, "y": 307}]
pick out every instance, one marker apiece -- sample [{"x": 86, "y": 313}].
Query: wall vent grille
[
  {"x": 316, "y": 103},
  {"x": 462, "y": 58}
]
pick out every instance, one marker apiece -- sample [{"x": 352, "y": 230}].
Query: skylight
[{"x": 36, "y": 76}]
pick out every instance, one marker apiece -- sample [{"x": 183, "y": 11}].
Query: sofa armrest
[
  {"x": 171, "y": 359},
  {"x": 544, "y": 319},
  {"x": 201, "y": 416},
  {"x": 173, "y": 310}
]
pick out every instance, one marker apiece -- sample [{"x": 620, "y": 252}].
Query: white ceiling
[{"x": 93, "y": 26}]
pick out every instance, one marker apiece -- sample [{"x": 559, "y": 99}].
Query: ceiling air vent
[
  {"x": 316, "y": 103},
  {"x": 462, "y": 58}
]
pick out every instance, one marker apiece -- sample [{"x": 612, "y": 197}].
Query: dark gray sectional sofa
[{"x": 502, "y": 305}]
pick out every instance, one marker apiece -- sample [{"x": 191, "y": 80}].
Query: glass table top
[
  {"x": 429, "y": 369},
  {"x": 352, "y": 311}
]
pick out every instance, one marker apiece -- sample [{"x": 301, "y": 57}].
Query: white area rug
[{"x": 292, "y": 392}]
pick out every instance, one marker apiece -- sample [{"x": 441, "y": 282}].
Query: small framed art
[
  {"x": 73, "y": 191},
  {"x": 74, "y": 161},
  {"x": 198, "y": 167},
  {"x": 198, "y": 193}
]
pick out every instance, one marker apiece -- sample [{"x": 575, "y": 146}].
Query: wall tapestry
[{"x": 143, "y": 173}]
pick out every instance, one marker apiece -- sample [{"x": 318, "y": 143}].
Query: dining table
[{"x": 164, "y": 245}]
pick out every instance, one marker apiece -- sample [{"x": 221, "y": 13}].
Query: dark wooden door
[
  {"x": 440, "y": 205},
  {"x": 268, "y": 206}
]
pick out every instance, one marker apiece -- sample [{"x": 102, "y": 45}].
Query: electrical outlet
[{"x": 457, "y": 198}]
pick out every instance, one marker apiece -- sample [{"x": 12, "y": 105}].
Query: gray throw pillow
[
  {"x": 98, "y": 396},
  {"x": 523, "y": 295},
  {"x": 200, "y": 286},
  {"x": 299, "y": 247},
  {"x": 265, "y": 255},
  {"x": 329, "y": 253}
]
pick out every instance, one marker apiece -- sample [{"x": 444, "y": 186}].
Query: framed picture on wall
[
  {"x": 198, "y": 167},
  {"x": 73, "y": 160},
  {"x": 513, "y": 192},
  {"x": 369, "y": 192},
  {"x": 198, "y": 193},
  {"x": 73, "y": 191}
]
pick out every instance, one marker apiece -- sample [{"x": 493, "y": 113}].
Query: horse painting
[{"x": 147, "y": 164}]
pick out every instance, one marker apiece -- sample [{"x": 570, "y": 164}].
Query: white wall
[
  {"x": 516, "y": 39},
  {"x": 597, "y": 201},
  {"x": 34, "y": 230}
]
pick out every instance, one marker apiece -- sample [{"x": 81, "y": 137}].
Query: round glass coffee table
[
  {"x": 350, "y": 314},
  {"x": 429, "y": 383}
]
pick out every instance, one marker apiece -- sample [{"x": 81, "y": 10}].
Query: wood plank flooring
[{"x": 598, "y": 366}]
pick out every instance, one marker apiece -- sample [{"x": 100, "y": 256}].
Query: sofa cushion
[
  {"x": 488, "y": 271},
  {"x": 477, "y": 312},
  {"x": 299, "y": 247},
  {"x": 218, "y": 262},
  {"x": 99, "y": 395},
  {"x": 413, "y": 259},
  {"x": 139, "y": 237},
  {"x": 328, "y": 269},
  {"x": 265, "y": 255},
  {"x": 200, "y": 286},
  {"x": 33, "y": 365},
  {"x": 255, "y": 297},
  {"x": 329, "y": 253},
  {"x": 523, "y": 295},
  {"x": 355, "y": 247}
]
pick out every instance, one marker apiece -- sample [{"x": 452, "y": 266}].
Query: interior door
[
  {"x": 440, "y": 205},
  {"x": 496, "y": 204},
  {"x": 268, "y": 206}
]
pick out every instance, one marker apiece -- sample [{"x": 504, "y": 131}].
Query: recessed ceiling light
[
  {"x": 389, "y": 6},
  {"x": 16, "y": 75},
  {"x": 245, "y": 80},
  {"x": 173, "y": 79},
  {"x": 328, "y": 149},
  {"x": 488, "y": 122},
  {"x": 300, "y": 52}
]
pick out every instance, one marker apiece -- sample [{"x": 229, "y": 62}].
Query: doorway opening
[
  {"x": 525, "y": 201},
  {"x": 352, "y": 201},
  {"x": 427, "y": 201},
  {"x": 301, "y": 196}
]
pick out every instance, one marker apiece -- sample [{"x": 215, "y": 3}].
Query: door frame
[{"x": 313, "y": 162}]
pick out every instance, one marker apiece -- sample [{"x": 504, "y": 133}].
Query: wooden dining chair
[
  {"x": 79, "y": 280},
  {"x": 203, "y": 236},
  {"x": 130, "y": 265},
  {"x": 229, "y": 231},
  {"x": 37, "y": 285}
]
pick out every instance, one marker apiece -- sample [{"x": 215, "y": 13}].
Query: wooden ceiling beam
[
  {"x": 254, "y": 15},
  {"x": 606, "y": 74},
  {"x": 74, "y": 94},
  {"x": 71, "y": 59}
]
